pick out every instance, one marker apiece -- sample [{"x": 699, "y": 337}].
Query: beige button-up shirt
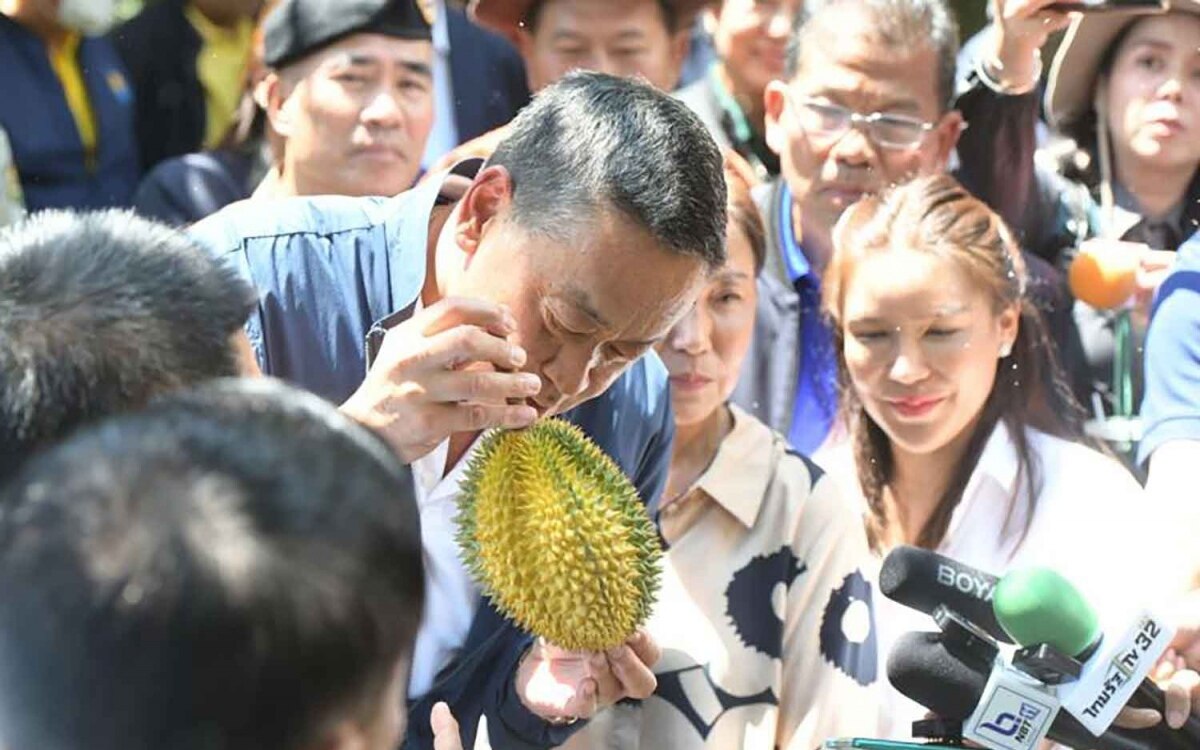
[{"x": 764, "y": 617}]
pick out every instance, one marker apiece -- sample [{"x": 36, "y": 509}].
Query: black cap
[{"x": 296, "y": 28}]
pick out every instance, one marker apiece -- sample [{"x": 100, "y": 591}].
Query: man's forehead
[
  {"x": 869, "y": 71},
  {"x": 595, "y": 17},
  {"x": 368, "y": 48}
]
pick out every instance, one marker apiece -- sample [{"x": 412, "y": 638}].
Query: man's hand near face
[
  {"x": 562, "y": 686},
  {"x": 445, "y": 370}
]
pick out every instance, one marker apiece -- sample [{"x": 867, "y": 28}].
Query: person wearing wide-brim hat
[{"x": 1125, "y": 87}]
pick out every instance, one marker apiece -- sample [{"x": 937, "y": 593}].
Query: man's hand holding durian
[
  {"x": 445, "y": 371},
  {"x": 562, "y": 686}
]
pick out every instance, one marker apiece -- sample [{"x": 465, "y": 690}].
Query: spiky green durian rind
[{"x": 554, "y": 533}]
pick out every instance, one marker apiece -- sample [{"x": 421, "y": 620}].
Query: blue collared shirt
[
  {"x": 329, "y": 268},
  {"x": 816, "y": 383},
  {"x": 1171, "y": 406}
]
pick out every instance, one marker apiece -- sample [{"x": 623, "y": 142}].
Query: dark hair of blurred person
[
  {"x": 237, "y": 567},
  {"x": 751, "y": 40},
  {"x": 99, "y": 312}
]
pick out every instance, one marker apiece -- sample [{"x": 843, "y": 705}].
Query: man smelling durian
[{"x": 491, "y": 297}]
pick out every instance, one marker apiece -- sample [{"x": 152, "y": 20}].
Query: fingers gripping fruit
[{"x": 554, "y": 533}]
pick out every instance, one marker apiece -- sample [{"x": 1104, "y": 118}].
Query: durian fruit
[{"x": 554, "y": 533}]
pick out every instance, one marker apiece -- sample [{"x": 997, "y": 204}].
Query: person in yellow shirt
[
  {"x": 66, "y": 104},
  {"x": 188, "y": 61}
]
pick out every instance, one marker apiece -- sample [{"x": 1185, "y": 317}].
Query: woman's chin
[{"x": 692, "y": 411}]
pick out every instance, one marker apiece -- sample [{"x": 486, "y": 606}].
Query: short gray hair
[
  {"x": 593, "y": 142},
  {"x": 907, "y": 25}
]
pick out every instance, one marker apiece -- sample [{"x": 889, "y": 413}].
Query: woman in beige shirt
[{"x": 764, "y": 616}]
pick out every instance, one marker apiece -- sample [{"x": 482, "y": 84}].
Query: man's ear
[
  {"x": 279, "y": 100},
  {"x": 774, "y": 104},
  {"x": 949, "y": 129},
  {"x": 488, "y": 197}
]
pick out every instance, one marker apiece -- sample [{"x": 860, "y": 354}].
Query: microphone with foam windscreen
[
  {"x": 924, "y": 669},
  {"x": 1039, "y": 606},
  {"x": 924, "y": 580}
]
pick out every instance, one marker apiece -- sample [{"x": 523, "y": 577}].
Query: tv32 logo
[{"x": 1017, "y": 727}]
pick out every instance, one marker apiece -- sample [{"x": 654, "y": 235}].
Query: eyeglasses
[{"x": 831, "y": 120}]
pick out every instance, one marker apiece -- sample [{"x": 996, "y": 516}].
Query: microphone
[
  {"x": 1039, "y": 606},
  {"x": 924, "y": 580},
  {"x": 924, "y": 669}
]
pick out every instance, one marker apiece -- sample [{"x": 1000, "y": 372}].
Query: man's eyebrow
[
  {"x": 729, "y": 274},
  {"x": 363, "y": 59}
]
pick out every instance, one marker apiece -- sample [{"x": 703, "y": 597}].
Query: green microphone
[{"x": 1038, "y": 605}]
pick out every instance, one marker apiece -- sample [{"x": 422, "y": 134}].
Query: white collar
[
  {"x": 998, "y": 469},
  {"x": 441, "y": 30}
]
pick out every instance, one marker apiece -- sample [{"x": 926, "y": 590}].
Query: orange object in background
[{"x": 1104, "y": 274}]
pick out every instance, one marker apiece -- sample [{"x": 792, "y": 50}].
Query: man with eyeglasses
[{"x": 866, "y": 102}]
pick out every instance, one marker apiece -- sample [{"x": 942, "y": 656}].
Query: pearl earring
[{"x": 1005, "y": 349}]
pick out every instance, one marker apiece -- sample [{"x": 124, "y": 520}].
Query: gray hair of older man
[
  {"x": 906, "y": 25},
  {"x": 594, "y": 142}
]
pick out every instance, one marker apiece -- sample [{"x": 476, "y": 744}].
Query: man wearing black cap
[{"x": 350, "y": 94}]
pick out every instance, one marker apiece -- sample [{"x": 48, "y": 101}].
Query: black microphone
[
  {"x": 924, "y": 580},
  {"x": 922, "y": 668}
]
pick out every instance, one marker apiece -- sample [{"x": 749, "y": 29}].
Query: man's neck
[
  {"x": 750, "y": 102},
  {"x": 816, "y": 245},
  {"x": 460, "y": 442}
]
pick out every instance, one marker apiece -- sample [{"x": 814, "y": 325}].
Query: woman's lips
[
  {"x": 690, "y": 382},
  {"x": 916, "y": 406},
  {"x": 1165, "y": 127}
]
